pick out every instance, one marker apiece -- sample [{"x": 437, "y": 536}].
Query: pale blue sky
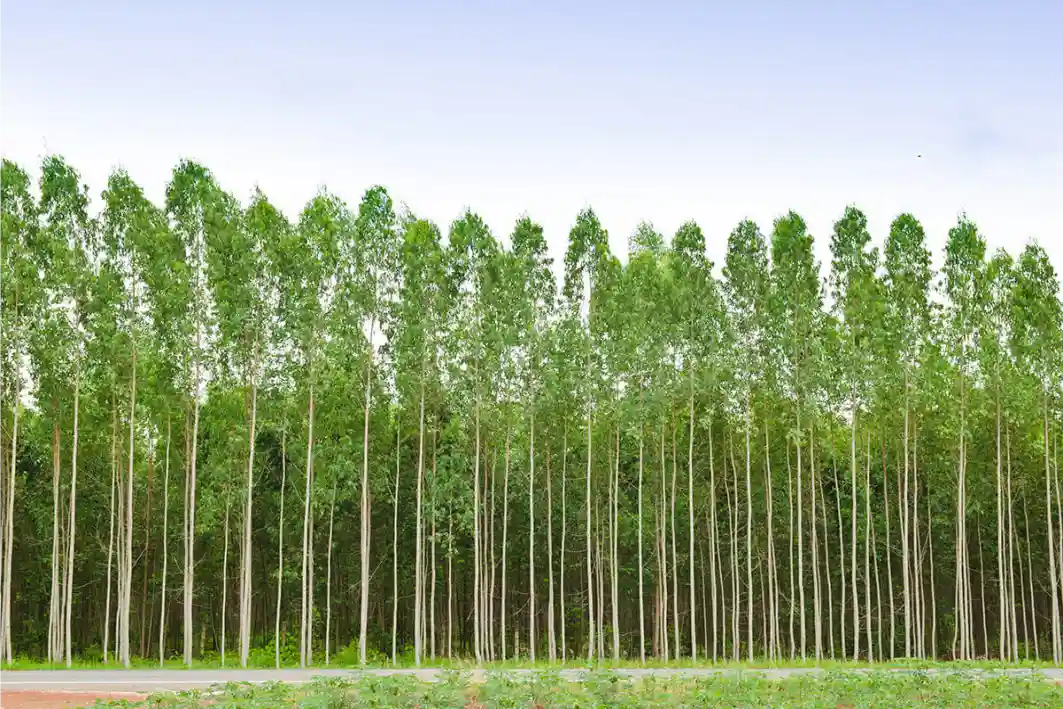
[{"x": 706, "y": 110}]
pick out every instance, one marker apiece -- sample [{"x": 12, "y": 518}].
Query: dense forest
[{"x": 346, "y": 436}]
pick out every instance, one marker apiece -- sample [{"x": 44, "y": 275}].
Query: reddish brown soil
[{"x": 32, "y": 699}]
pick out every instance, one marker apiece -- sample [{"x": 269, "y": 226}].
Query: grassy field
[{"x": 606, "y": 689}]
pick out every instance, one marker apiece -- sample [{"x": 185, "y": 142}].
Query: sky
[{"x": 669, "y": 111}]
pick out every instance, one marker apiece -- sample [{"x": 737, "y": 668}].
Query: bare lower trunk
[
  {"x": 505, "y": 534},
  {"x": 245, "y": 578},
  {"x": 395, "y": 557},
  {"x": 690, "y": 522},
  {"x": 418, "y": 619},
  {"x": 165, "y": 547},
  {"x": 280, "y": 551},
  {"x": 589, "y": 535},
  {"x": 128, "y": 579},
  {"x": 749, "y": 537},
  {"x": 110, "y": 534},
  {"x": 224, "y": 579},
  {"x": 73, "y": 505},
  {"x": 852, "y": 548},
  {"x": 531, "y": 542},
  {"x": 190, "y": 533},
  {"x": 366, "y": 526},
  {"x": 550, "y": 629},
  {"x": 53, "y": 605},
  {"x": 642, "y": 609},
  {"x": 306, "y": 613},
  {"x": 564, "y": 529},
  {"x": 328, "y": 578}
]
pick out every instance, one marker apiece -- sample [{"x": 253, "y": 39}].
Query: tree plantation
[{"x": 353, "y": 436}]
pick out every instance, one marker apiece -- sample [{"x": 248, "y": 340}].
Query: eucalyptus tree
[
  {"x": 964, "y": 283},
  {"x": 130, "y": 225},
  {"x": 702, "y": 338},
  {"x": 20, "y": 293},
  {"x": 854, "y": 291},
  {"x": 797, "y": 289},
  {"x": 908, "y": 320},
  {"x": 646, "y": 331},
  {"x": 995, "y": 363},
  {"x": 372, "y": 285},
  {"x": 59, "y": 350},
  {"x": 236, "y": 270},
  {"x": 748, "y": 288},
  {"x": 534, "y": 280},
  {"x": 1037, "y": 341},
  {"x": 414, "y": 340},
  {"x": 587, "y": 248},
  {"x": 306, "y": 283},
  {"x": 474, "y": 279},
  {"x": 190, "y": 198}
]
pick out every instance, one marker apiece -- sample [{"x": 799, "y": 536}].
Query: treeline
[{"x": 225, "y": 432}]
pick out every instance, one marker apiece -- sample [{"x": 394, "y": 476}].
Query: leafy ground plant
[{"x": 609, "y": 689}]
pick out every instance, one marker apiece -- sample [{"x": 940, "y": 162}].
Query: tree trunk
[
  {"x": 306, "y": 612},
  {"x": 714, "y": 544},
  {"x": 675, "y": 560},
  {"x": 852, "y": 548},
  {"x": 690, "y": 521},
  {"x": 245, "y": 579},
  {"x": 589, "y": 535},
  {"x": 190, "y": 531},
  {"x": 418, "y": 619},
  {"x": 867, "y": 546},
  {"x": 505, "y": 545},
  {"x": 841, "y": 551},
  {"x": 53, "y": 604},
  {"x": 1057, "y": 649},
  {"x": 328, "y": 577},
  {"x": 476, "y": 600},
  {"x": 889, "y": 562},
  {"x": 800, "y": 535},
  {"x": 165, "y": 547},
  {"x": 642, "y": 610},
  {"x": 144, "y": 611},
  {"x": 395, "y": 555},
  {"x": 432, "y": 602},
  {"x": 615, "y": 559},
  {"x": 564, "y": 529},
  {"x": 749, "y": 536},
  {"x": 550, "y": 623},
  {"x": 224, "y": 578},
  {"x": 280, "y": 550},
  {"x": 110, "y": 534},
  {"x": 128, "y": 578},
  {"x": 532, "y": 642},
  {"x": 69, "y": 580},
  {"x": 366, "y": 522}
]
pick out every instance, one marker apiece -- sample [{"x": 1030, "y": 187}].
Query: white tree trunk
[
  {"x": 110, "y": 534},
  {"x": 280, "y": 550},
  {"x": 505, "y": 540},
  {"x": 190, "y": 533},
  {"x": 224, "y": 578},
  {"x": 165, "y": 547},
  {"x": 532, "y": 642},
  {"x": 306, "y": 612},
  {"x": 245, "y": 578},
  {"x": 418, "y": 620},
  {"x": 328, "y": 578},
  {"x": 69, "y": 582}
]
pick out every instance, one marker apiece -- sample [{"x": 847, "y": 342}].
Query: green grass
[
  {"x": 606, "y": 689},
  {"x": 343, "y": 660}
]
